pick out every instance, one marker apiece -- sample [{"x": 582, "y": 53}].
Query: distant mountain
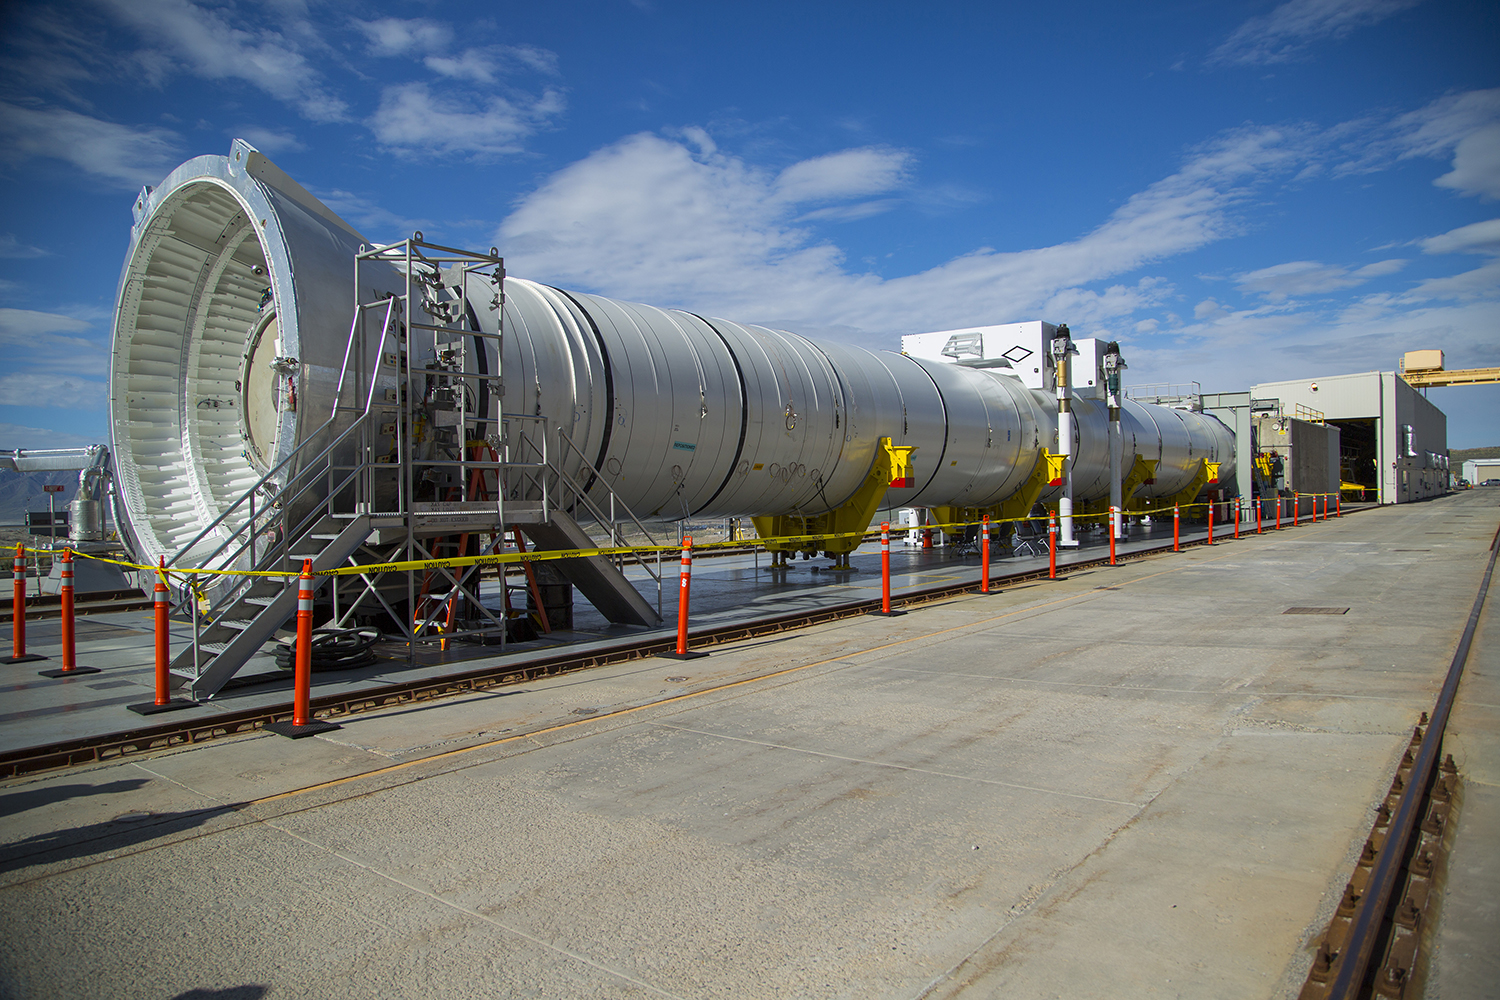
[
  {"x": 1458, "y": 455},
  {"x": 22, "y": 491}
]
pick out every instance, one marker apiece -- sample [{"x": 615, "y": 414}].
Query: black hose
[{"x": 341, "y": 649}]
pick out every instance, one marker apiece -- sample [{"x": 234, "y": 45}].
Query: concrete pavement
[{"x": 1139, "y": 781}]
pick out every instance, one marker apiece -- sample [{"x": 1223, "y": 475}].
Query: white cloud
[
  {"x": 41, "y": 344},
  {"x": 52, "y": 389},
  {"x": 1481, "y": 283},
  {"x": 21, "y": 436},
  {"x": 18, "y": 326},
  {"x": 1307, "y": 277},
  {"x": 1465, "y": 125},
  {"x": 849, "y": 213},
  {"x": 1283, "y": 33},
  {"x": 652, "y": 219},
  {"x": 1437, "y": 127},
  {"x": 1476, "y": 164},
  {"x": 1478, "y": 237},
  {"x": 14, "y": 249},
  {"x": 127, "y": 156},
  {"x": 267, "y": 140},
  {"x": 414, "y": 120},
  {"x": 475, "y": 65},
  {"x": 206, "y": 43},
  {"x": 394, "y": 36},
  {"x": 851, "y": 173}
]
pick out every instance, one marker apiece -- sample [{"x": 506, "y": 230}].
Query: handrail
[
  {"x": 369, "y": 404},
  {"x": 600, "y": 477}
]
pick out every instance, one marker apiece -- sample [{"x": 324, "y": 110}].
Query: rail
[
  {"x": 1342, "y": 970},
  {"x": 283, "y": 504}
]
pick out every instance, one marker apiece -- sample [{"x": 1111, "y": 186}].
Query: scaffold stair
[
  {"x": 606, "y": 588},
  {"x": 249, "y": 618}
]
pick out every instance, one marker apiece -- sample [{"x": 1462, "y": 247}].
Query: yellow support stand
[
  {"x": 892, "y": 467},
  {"x": 1142, "y": 471},
  {"x": 1048, "y": 469},
  {"x": 1208, "y": 472}
]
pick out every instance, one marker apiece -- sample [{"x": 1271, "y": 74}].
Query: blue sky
[{"x": 1238, "y": 191}]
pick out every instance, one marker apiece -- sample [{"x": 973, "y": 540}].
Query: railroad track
[
  {"x": 183, "y": 732},
  {"x": 45, "y": 606},
  {"x": 1373, "y": 945}
]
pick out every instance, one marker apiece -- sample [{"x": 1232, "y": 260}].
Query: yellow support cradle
[{"x": 892, "y": 467}]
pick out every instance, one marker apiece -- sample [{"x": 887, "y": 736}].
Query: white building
[
  {"x": 1477, "y": 470},
  {"x": 1391, "y": 438}
]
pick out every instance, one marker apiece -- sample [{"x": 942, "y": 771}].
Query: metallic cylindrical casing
[{"x": 235, "y": 309}]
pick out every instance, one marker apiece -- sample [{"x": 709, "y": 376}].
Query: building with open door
[{"x": 1392, "y": 440}]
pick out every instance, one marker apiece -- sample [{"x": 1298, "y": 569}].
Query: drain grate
[{"x": 1316, "y": 611}]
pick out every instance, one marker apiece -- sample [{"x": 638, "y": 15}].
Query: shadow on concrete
[
  {"x": 19, "y": 802},
  {"x": 250, "y": 991},
  {"x": 97, "y": 838}
]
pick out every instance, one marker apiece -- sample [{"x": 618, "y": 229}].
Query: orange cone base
[
  {"x": 887, "y": 614},
  {"x": 24, "y": 658},
  {"x": 691, "y": 654},
  {"x": 68, "y": 673},
  {"x": 151, "y": 707},
  {"x": 295, "y": 732}
]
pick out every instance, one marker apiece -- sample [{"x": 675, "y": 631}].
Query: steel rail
[
  {"x": 113, "y": 746},
  {"x": 1379, "y": 897}
]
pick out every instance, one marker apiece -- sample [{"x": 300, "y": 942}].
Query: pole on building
[
  {"x": 1062, "y": 349},
  {"x": 1113, "y": 366}
]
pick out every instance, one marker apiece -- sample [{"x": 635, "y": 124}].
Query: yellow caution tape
[{"x": 545, "y": 555}]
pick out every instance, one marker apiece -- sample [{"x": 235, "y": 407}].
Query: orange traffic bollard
[
  {"x": 1278, "y": 513},
  {"x": 1296, "y": 508},
  {"x": 1176, "y": 529},
  {"x": 1112, "y": 511},
  {"x": 18, "y": 614},
  {"x": 1052, "y": 545},
  {"x": 885, "y": 572},
  {"x": 302, "y": 682},
  {"x": 1236, "y": 518},
  {"x": 69, "y": 639},
  {"x": 164, "y": 701},
  {"x": 1210, "y": 523},
  {"x": 1338, "y": 505},
  {"x": 984, "y": 556},
  {"x": 684, "y": 588},
  {"x": 303, "y": 723},
  {"x": 1260, "y": 504}
]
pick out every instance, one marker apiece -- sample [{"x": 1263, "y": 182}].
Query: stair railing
[{"x": 308, "y": 475}]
